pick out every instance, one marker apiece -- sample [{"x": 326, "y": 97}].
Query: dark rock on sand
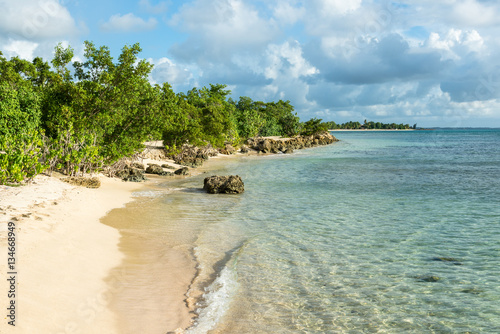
[
  {"x": 231, "y": 184},
  {"x": 156, "y": 169},
  {"x": 228, "y": 149},
  {"x": 88, "y": 182},
  {"x": 167, "y": 166},
  {"x": 193, "y": 156},
  {"x": 182, "y": 171},
  {"x": 244, "y": 149},
  {"x": 137, "y": 165},
  {"x": 131, "y": 174}
]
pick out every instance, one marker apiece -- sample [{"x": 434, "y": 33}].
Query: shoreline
[
  {"x": 65, "y": 284},
  {"x": 363, "y": 130}
]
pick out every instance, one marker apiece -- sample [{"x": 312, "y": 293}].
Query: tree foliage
[{"x": 367, "y": 125}]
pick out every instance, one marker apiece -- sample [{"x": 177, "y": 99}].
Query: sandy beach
[
  {"x": 63, "y": 255},
  {"x": 76, "y": 274}
]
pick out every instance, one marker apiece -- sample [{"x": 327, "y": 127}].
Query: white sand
[{"x": 64, "y": 254}]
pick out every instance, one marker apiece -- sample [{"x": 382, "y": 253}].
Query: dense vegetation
[{"x": 77, "y": 117}]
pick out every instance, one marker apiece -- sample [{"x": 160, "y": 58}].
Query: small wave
[
  {"x": 217, "y": 296},
  {"x": 216, "y": 301},
  {"x": 155, "y": 193},
  {"x": 148, "y": 193}
]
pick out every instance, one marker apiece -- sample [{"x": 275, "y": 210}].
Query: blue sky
[{"x": 434, "y": 63}]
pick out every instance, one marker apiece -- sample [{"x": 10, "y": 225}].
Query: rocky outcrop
[
  {"x": 182, "y": 171},
  {"x": 153, "y": 153},
  {"x": 168, "y": 166},
  {"x": 228, "y": 149},
  {"x": 156, "y": 169},
  {"x": 131, "y": 174},
  {"x": 137, "y": 165},
  {"x": 88, "y": 182},
  {"x": 232, "y": 184},
  {"x": 268, "y": 145},
  {"x": 193, "y": 156},
  {"x": 244, "y": 149}
]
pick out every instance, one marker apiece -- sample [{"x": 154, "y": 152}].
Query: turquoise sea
[{"x": 382, "y": 232}]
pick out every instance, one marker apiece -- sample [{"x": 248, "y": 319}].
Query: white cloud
[
  {"x": 474, "y": 13},
  {"x": 333, "y": 8},
  {"x": 128, "y": 23},
  {"x": 287, "y": 59},
  {"x": 286, "y": 13},
  {"x": 166, "y": 71},
  {"x": 220, "y": 28},
  {"x": 34, "y": 19},
  {"x": 21, "y": 49},
  {"x": 456, "y": 43}
]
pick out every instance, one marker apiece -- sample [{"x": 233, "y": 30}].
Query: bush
[
  {"x": 20, "y": 157},
  {"x": 313, "y": 126}
]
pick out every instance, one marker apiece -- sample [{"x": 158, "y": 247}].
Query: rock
[
  {"x": 156, "y": 169},
  {"x": 131, "y": 174},
  {"x": 288, "y": 151},
  {"x": 448, "y": 259},
  {"x": 228, "y": 149},
  {"x": 264, "y": 146},
  {"x": 473, "y": 291},
  {"x": 427, "y": 278},
  {"x": 267, "y": 145},
  {"x": 193, "y": 163},
  {"x": 88, "y": 182},
  {"x": 167, "y": 166},
  {"x": 136, "y": 175},
  {"x": 231, "y": 184},
  {"x": 193, "y": 156},
  {"x": 244, "y": 149},
  {"x": 182, "y": 171},
  {"x": 137, "y": 165}
]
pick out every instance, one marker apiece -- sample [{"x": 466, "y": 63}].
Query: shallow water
[{"x": 383, "y": 232}]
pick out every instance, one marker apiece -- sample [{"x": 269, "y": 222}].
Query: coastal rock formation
[
  {"x": 168, "y": 166},
  {"x": 156, "y": 169},
  {"x": 244, "y": 149},
  {"x": 137, "y": 165},
  {"x": 193, "y": 156},
  {"x": 228, "y": 149},
  {"x": 88, "y": 182},
  {"x": 232, "y": 184},
  {"x": 182, "y": 171},
  {"x": 131, "y": 174},
  {"x": 268, "y": 145}
]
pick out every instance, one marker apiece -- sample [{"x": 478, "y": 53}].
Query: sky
[{"x": 433, "y": 63}]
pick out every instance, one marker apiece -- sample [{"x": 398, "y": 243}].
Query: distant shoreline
[{"x": 374, "y": 129}]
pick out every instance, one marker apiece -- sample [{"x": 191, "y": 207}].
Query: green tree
[
  {"x": 313, "y": 126},
  {"x": 20, "y": 139}
]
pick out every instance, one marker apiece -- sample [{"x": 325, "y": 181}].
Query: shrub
[{"x": 20, "y": 157}]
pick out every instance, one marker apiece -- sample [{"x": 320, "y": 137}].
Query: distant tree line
[
  {"x": 77, "y": 117},
  {"x": 368, "y": 125}
]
